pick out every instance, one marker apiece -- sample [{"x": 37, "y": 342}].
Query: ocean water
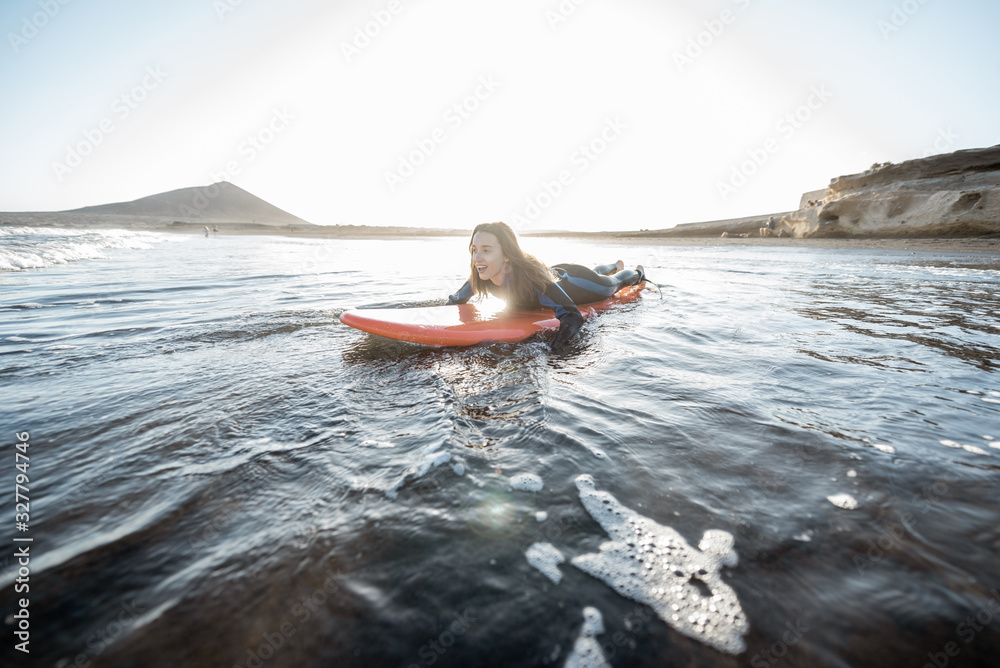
[{"x": 789, "y": 456}]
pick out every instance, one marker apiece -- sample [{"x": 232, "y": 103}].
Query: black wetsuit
[{"x": 576, "y": 285}]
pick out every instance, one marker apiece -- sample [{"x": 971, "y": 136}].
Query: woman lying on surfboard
[{"x": 501, "y": 268}]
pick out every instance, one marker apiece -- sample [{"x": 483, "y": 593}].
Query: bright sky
[{"x": 579, "y": 114}]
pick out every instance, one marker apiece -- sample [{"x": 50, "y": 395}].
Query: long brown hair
[{"x": 527, "y": 272}]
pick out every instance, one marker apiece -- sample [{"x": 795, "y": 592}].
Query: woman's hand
[{"x": 567, "y": 330}]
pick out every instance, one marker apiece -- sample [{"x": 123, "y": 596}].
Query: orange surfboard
[{"x": 469, "y": 324}]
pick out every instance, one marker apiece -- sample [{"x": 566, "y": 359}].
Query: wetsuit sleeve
[
  {"x": 463, "y": 295},
  {"x": 569, "y": 316}
]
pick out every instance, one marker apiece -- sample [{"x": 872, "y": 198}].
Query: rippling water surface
[{"x": 222, "y": 474}]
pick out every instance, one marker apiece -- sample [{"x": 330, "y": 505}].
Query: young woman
[{"x": 501, "y": 268}]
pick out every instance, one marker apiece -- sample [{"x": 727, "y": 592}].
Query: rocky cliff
[{"x": 953, "y": 194}]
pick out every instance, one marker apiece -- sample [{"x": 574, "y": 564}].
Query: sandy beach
[{"x": 988, "y": 245}]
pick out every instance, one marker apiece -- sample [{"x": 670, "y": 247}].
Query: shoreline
[{"x": 984, "y": 245}]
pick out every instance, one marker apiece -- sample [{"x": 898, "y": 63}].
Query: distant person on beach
[
  {"x": 499, "y": 267},
  {"x": 215, "y": 229},
  {"x": 768, "y": 229},
  {"x": 206, "y": 231}
]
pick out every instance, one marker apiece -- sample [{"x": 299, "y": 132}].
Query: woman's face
[{"x": 488, "y": 259}]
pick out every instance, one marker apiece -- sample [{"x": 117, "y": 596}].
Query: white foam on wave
[
  {"x": 844, "y": 501},
  {"x": 429, "y": 461},
  {"x": 13, "y": 231},
  {"x": 653, "y": 564},
  {"x": 372, "y": 443},
  {"x": 586, "y": 650},
  {"x": 527, "y": 482},
  {"x": 37, "y": 248},
  {"x": 28, "y": 305},
  {"x": 964, "y": 446},
  {"x": 429, "y": 458},
  {"x": 887, "y": 449},
  {"x": 546, "y": 558}
]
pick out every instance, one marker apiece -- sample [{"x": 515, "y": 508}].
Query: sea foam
[
  {"x": 586, "y": 650},
  {"x": 653, "y": 564},
  {"x": 844, "y": 501},
  {"x": 546, "y": 558},
  {"x": 39, "y": 247},
  {"x": 527, "y": 482}
]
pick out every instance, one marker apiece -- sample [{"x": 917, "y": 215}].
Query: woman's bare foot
[
  {"x": 642, "y": 272},
  {"x": 619, "y": 265}
]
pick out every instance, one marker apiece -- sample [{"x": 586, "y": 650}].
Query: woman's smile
[{"x": 488, "y": 259}]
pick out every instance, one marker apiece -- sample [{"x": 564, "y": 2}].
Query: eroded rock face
[{"x": 954, "y": 194}]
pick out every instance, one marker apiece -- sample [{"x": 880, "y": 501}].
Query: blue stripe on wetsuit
[
  {"x": 584, "y": 284},
  {"x": 563, "y": 308}
]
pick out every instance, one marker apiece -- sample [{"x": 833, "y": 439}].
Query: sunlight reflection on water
[{"x": 219, "y": 448}]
